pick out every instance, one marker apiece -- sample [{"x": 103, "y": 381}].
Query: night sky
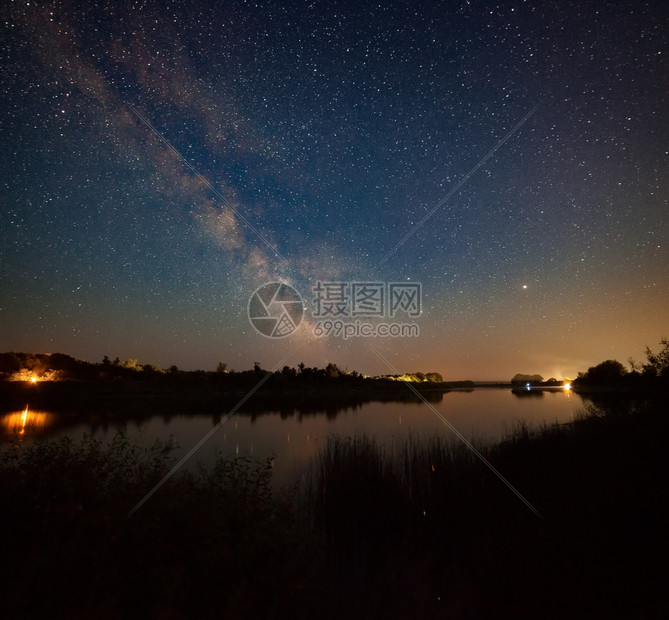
[{"x": 161, "y": 161}]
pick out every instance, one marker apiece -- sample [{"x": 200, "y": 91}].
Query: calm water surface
[{"x": 482, "y": 415}]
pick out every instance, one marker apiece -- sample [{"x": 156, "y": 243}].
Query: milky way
[{"x": 161, "y": 161}]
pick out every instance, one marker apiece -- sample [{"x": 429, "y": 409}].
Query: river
[{"x": 481, "y": 415}]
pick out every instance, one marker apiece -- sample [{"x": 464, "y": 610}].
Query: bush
[{"x": 205, "y": 544}]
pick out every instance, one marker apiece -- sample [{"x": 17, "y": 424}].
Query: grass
[
  {"x": 421, "y": 528},
  {"x": 425, "y": 528}
]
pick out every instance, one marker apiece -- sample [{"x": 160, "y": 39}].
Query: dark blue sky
[{"x": 150, "y": 150}]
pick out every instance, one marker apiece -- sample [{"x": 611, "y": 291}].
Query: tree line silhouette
[
  {"x": 61, "y": 367},
  {"x": 653, "y": 374}
]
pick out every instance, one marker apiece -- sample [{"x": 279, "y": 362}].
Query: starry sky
[{"x": 160, "y": 161}]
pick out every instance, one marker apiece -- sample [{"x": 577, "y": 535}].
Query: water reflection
[
  {"x": 294, "y": 434},
  {"x": 333, "y": 405},
  {"x": 25, "y": 422},
  {"x": 525, "y": 391},
  {"x": 476, "y": 410}
]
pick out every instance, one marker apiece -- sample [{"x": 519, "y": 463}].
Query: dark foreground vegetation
[{"x": 422, "y": 529}]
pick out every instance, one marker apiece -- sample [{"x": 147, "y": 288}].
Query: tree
[
  {"x": 60, "y": 361},
  {"x": 525, "y": 379},
  {"x": 332, "y": 371},
  {"x": 222, "y": 367},
  {"x": 10, "y": 363},
  {"x": 150, "y": 369},
  {"x": 658, "y": 363},
  {"x": 610, "y": 372}
]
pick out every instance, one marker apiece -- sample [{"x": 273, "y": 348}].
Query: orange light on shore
[
  {"x": 33, "y": 376},
  {"x": 567, "y": 386}
]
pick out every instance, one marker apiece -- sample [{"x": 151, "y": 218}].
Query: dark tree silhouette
[
  {"x": 657, "y": 366},
  {"x": 608, "y": 373},
  {"x": 522, "y": 379}
]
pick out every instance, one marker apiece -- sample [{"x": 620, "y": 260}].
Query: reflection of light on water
[{"x": 21, "y": 421}]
